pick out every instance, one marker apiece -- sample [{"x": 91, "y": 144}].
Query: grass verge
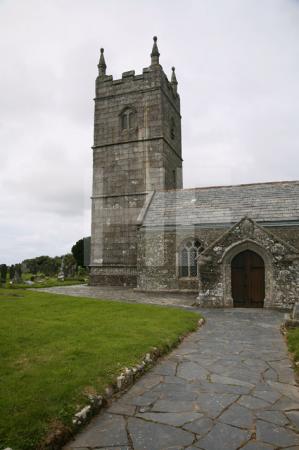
[
  {"x": 56, "y": 348},
  {"x": 293, "y": 344}
]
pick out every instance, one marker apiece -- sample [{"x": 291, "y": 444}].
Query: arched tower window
[
  {"x": 188, "y": 258},
  {"x": 128, "y": 119}
]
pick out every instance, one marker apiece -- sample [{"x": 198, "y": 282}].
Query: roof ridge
[{"x": 230, "y": 186}]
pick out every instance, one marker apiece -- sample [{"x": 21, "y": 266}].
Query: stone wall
[
  {"x": 158, "y": 256},
  {"x": 289, "y": 234},
  {"x": 158, "y": 261}
]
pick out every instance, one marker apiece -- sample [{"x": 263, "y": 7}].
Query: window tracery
[{"x": 188, "y": 258}]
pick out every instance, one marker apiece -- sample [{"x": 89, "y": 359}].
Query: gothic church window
[
  {"x": 128, "y": 119},
  {"x": 188, "y": 258}
]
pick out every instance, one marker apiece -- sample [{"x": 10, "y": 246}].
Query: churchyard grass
[
  {"x": 55, "y": 349},
  {"x": 293, "y": 344},
  {"x": 43, "y": 281}
]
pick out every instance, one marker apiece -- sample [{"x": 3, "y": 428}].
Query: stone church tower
[{"x": 137, "y": 149}]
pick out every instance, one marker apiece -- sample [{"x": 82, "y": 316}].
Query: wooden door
[{"x": 248, "y": 280}]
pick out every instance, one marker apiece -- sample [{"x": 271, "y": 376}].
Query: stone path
[
  {"x": 228, "y": 386},
  {"x": 124, "y": 295}
]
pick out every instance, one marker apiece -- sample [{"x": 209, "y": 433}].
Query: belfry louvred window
[
  {"x": 188, "y": 258},
  {"x": 128, "y": 119}
]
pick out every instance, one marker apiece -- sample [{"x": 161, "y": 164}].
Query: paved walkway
[
  {"x": 228, "y": 386},
  {"x": 124, "y": 295}
]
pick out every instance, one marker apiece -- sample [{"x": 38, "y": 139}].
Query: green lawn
[
  {"x": 52, "y": 348},
  {"x": 293, "y": 343}
]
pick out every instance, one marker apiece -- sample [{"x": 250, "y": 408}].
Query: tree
[
  {"x": 42, "y": 264},
  {"x": 78, "y": 252},
  {"x": 70, "y": 265},
  {"x": 3, "y": 273},
  {"x": 81, "y": 252},
  {"x": 12, "y": 272}
]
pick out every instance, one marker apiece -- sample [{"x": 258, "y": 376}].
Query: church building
[{"x": 227, "y": 245}]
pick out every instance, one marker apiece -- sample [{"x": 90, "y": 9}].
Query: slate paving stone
[
  {"x": 174, "y": 419},
  {"x": 276, "y": 417},
  {"x": 203, "y": 361},
  {"x": 191, "y": 448},
  {"x": 191, "y": 371},
  {"x": 111, "y": 448},
  {"x": 267, "y": 396},
  {"x": 294, "y": 418},
  {"x": 199, "y": 427},
  {"x": 122, "y": 408},
  {"x": 172, "y": 387},
  {"x": 144, "y": 400},
  {"x": 215, "y": 378},
  {"x": 175, "y": 406},
  {"x": 241, "y": 374},
  {"x": 164, "y": 369},
  {"x": 256, "y": 364},
  {"x": 238, "y": 416},
  {"x": 253, "y": 402},
  {"x": 270, "y": 375},
  {"x": 255, "y": 445},
  {"x": 147, "y": 382},
  {"x": 275, "y": 435},
  {"x": 214, "y": 404},
  {"x": 217, "y": 388},
  {"x": 223, "y": 437},
  {"x": 284, "y": 404},
  {"x": 154, "y": 436},
  {"x": 286, "y": 389},
  {"x": 180, "y": 396},
  {"x": 108, "y": 430},
  {"x": 168, "y": 379}
]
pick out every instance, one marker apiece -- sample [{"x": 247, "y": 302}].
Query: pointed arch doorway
[{"x": 248, "y": 280}]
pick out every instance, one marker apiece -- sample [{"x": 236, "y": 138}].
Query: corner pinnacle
[
  {"x": 102, "y": 64},
  {"x": 155, "y": 53},
  {"x": 174, "y": 82}
]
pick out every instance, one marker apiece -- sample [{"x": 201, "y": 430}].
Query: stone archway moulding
[{"x": 226, "y": 260}]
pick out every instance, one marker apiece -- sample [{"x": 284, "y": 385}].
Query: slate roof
[{"x": 263, "y": 202}]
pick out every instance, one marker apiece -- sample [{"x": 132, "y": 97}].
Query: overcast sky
[{"x": 237, "y": 64}]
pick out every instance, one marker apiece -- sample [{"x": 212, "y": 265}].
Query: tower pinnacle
[
  {"x": 102, "y": 64},
  {"x": 155, "y": 53},
  {"x": 174, "y": 82}
]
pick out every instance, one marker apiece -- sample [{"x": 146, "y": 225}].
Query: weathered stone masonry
[
  {"x": 130, "y": 159},
  {"x": 146, "y": 228},
  {"x": 211, "y": 215},
  {"x": 281, "y": 266}
]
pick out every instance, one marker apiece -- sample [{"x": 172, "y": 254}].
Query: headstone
[
  {"x": 61, "y": 275},
  {"x": 17, "y": 279}
]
